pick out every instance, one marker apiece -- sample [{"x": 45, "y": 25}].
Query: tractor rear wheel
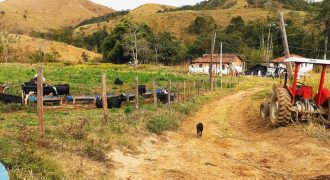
[
  {"x": 280, "y": 114},
  {"x": 325, "y": 118},
  {"x": 264, "y": 110}
]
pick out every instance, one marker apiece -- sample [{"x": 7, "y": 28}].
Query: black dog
[{"x": 199, "y": 127}]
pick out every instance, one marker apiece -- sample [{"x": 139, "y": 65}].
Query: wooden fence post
[
  {"x": 137, "y": 96},
  {"x": 221, "y": 82},
  {"x": 203, "y": 85},
  {"x": 104, "y": 98},
  {"x": 189, "y": 85},
  {"x": 198, "y": 88},
  {"x": 178, "y": 92},
  {"x": 169, "y": 93},
  {"x": 194, "y": 85},
  {"x": 215, "y": 83},
  {"x": 184, "y": 91},
  {"x": 155, "y": 93},
  {"x": 40, "y": 102}
]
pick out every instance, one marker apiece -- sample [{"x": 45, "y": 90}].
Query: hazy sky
[{"x": 131, "y": 4}]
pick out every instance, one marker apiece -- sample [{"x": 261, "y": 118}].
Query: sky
[{"x": 131, "y": 4}]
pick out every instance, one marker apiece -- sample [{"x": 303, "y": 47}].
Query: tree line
[{"x": 257, "y": 42}]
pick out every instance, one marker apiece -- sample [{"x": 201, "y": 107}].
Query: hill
[
  {"x": 150, "y": 8},
  {"x": 24, "y": 16},
  {"x": 67, "y": 53},
  {"x": 177, "y": 21}
]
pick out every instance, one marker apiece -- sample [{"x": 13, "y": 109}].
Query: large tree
[
  {"x": 135, "y": 41},
  {"x": 322, "y": 18}
]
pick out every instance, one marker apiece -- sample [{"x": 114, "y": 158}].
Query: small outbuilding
[
  {"x": 231, "y": 63},
  {"x": 279, "y": 62}
]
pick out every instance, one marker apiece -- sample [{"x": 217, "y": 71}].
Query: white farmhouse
[{"x": 231, "y": 63}]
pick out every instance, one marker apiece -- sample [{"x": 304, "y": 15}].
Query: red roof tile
[
  {"x": 281, "y": 59},
  {"x": 226, "y": 58}
]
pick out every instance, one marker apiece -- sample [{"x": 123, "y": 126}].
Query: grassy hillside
[
  {"x": 23, "y": 16},
  {"x": 177, "y": 21},
  {"x": 150, "y": 8},
  {"x": 67, "y": 52}
]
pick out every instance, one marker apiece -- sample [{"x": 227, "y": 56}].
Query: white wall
[
  {"x": 196, "y": 69},
  {"x": 304, "y": 67}
]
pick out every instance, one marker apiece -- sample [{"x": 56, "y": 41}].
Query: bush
[
  {"x": 185, "y": 108},
  {"x": 162, "y": 123}
]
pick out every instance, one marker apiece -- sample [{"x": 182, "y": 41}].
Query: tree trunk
[
  {"x": 136, "y": 51},
  {"x": 325, "y": 46}
]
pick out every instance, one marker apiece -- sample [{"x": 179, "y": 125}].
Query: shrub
[{"x": 162, "y": 123}]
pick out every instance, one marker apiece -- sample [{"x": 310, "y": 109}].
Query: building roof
[
  {"x": 281, "y": 59},
  {"x": 226, "y": 58}
]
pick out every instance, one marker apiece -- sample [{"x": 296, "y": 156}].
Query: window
[
  {"x": 223, "y": 67},
  {"x": 200, "y": 65}
]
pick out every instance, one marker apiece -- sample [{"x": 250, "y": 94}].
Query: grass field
[
  {"x": 85, "y": 79},
  {"x": 77, "y": 141}
]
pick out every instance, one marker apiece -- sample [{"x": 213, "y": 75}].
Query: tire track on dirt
[{"x": 229, "y": 149}]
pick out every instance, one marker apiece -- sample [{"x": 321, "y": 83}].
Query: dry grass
[
  {"x": 313, "y": 79},
  {"x": 177, "y": 22},
  {"x": 67, "y": 53},
  {"x": 40, "y": 15},
  {"x": 150, "y": 8},
  {"x": 317, "y": 131}
]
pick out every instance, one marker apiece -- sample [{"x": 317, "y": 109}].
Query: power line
[{"x": 307, "y": 49}]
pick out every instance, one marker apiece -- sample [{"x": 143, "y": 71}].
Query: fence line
[{"x": 190, "y": 90}]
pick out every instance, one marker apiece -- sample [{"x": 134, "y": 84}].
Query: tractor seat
[{"x": 306, "y": 92}]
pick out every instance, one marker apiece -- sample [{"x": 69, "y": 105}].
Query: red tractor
[{"x": 298, "y": 102}]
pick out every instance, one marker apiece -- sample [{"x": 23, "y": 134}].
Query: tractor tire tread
[{"x": 284, "y": 106}]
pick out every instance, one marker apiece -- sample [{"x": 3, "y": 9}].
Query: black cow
[
  {"x": 199, "y": 128},
  {"x": 6, "y": 98},
  {"x": 118, "y": 82},
  {"x": 142, "y": 89},
  {"x": 163, "y": 96},
  {"x": 63, "y": 89},
  {"x": 112, "y": 102}
]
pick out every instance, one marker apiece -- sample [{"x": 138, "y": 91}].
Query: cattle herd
[{"x": 29, "y": 90}]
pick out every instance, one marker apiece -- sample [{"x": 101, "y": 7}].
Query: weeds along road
[{"x": 235, "y": 144}]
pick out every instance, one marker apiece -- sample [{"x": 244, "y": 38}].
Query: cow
[
  {"x": 118, "y": 82},
  {"x": 62, "y": 89},
  {"x": 162, "y": 96},
  {"x": 112, "y": 102},
  {"x": 6, "y": 98},
  {"x": 199, "y": 128},
  {"x": 3, "y": 88},
  {"x": 142, "y": 89},
  {"x": 30, "y": 88}
]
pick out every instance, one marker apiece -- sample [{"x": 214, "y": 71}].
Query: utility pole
[
  {"x": 211, "y": 61},
  {"x": 286, "y": 45},
  {"x": 326, "y": 45},
  {"x": 221, "y": 64}
]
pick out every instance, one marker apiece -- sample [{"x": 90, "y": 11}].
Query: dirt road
[{"x": 233, "y": 146}]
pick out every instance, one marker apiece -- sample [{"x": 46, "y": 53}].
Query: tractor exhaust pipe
[{"x": 285, "y": 79}]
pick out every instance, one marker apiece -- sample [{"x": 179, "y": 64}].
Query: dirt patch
[{"x": 233, "y": 146}]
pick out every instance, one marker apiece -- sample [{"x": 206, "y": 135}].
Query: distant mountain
[
  {"x": 150, "y": 8},
  {"x": 23, "y": 16}
]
